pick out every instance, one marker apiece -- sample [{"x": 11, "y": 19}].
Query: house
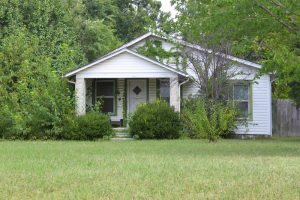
[{"x": 124, "y": 78}]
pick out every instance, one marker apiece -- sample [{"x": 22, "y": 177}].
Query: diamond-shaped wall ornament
[{"x": 137, "y": 90}]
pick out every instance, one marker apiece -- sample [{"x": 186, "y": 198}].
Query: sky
[{"x": 166, "y": 6}]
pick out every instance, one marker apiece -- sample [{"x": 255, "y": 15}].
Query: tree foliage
[
  {"x": 40, "y": 40},
  {"x": 135, "y": 17},
  {"x": 203, "y": 118},
  {"x": 212, "y": 70},
  {"x": 154, "y": 49},
  {"x": 264, "y": 31}
]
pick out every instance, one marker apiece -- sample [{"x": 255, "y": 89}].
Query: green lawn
[{"x": 182, "y": 169}]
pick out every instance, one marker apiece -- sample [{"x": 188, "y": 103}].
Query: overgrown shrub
[
  {"x": 208, "y": 119},
  {"x": 13, "y": 125},
  {"x": 6, "y": 121},
  {"x": 94, "y": 125},
  {"x": 155, "y": 120},
  {"x": 71, "y": 129}
]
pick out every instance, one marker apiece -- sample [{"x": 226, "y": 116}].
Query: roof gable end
[{"x": 111, "y": 55}]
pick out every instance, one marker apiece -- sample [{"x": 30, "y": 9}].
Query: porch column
[
  {"x": 174, "y": 93},
  {"x": 80, "y": 96}
]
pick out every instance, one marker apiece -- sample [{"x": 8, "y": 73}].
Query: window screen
[{"x": 164, "y": 90}]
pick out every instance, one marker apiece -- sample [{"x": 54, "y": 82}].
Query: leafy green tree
[
  {"x": 35, "y": 97},
  {"x": 96, "y": 39},
  {"x": 39, "y": 41},
  {"x": 265, "y": 31},
  {"x": 135, "y": 17},
  {"x": 129, "y": 18},
  {"x": 101, "y": 9}
]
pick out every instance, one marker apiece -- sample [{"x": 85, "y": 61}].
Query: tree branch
[{"x": 291, "y": 29}]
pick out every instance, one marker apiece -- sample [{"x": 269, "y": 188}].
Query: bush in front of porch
[
  {"x": 94, "y": 125},
  {"x": 155, "y": 120}
]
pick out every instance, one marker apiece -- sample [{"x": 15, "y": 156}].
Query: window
[
  {"x": 105, "y": 92},
  {"x": 241, "y": 98},
  {"x": 164, "y": 89}
]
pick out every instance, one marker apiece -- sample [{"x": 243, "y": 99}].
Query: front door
[{"x": 137, "y": 93}]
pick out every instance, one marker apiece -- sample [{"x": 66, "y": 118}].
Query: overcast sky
[{"x": 166, "y": 6}]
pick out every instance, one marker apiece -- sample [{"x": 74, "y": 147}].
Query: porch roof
[{"x": 125, "y": 50}]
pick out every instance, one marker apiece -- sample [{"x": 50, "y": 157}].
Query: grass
[{"x": 181, "y": 169}]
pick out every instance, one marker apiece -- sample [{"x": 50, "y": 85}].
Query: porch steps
[
  {"x": 121, "y": 129},
  {"x": 122, "y": 139},
  {"x": 122, "y": 134}
]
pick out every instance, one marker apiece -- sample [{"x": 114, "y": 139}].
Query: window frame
[
  {"x": 249, "y": 101},
  {"x": 159, "y": 88},
  {"x": 108, "y": 97}
]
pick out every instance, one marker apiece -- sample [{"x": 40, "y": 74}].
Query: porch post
[
  {"x": 80, "y": 96},
  {"x": 174, "y": 93}
]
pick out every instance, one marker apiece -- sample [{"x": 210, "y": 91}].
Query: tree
[
  {"x": 96, "y": 39},
  {"x": 212, "y": 70},
  {"x": 211, "y": 114},
  {"x": 108, "y": 23},
  {"x": 264, "y": 31},
  {"x": 39, "y": 42},
  {"x": 135, "y": 17}
]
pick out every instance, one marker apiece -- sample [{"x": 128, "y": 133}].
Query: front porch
[
  {"x": 120, "y": 96},
  {"x": 122, "y": 80}
]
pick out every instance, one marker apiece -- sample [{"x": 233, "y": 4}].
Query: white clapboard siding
[
  {"x": 152, "y": 89},
  {"x": 126, "y": 65},
  {"x": 189, "y": 89},
  {"x": 261, "y": 94},
  {"x": 262, "y": 114}
]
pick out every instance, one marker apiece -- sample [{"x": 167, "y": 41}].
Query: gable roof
[
  {"x": 233, "y": 58},
  {"x": 125, "y": 47},
  {"x": 120, "y": 51}
]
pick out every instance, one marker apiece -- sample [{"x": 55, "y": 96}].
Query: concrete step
[
  {"x": 121, "y": 130},
  {"x": 122, "y": 139},
  {"x": 122, "y": 134}
]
